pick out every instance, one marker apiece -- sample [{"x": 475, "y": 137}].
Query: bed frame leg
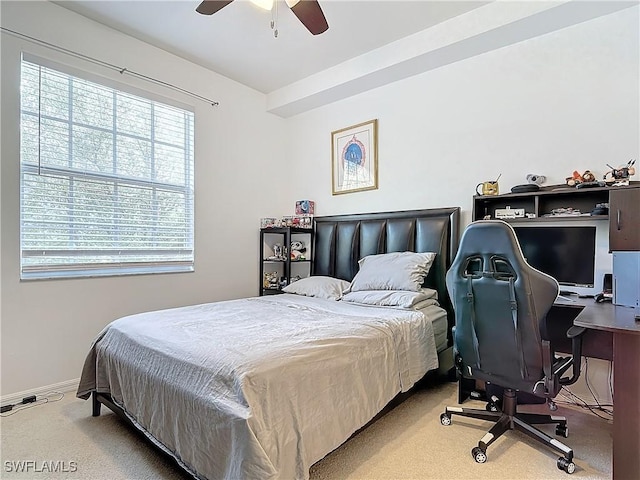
[{"x": 95, "y": 404}]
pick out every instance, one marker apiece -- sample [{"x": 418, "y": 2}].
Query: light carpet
[{"x": 407, "y": 443}]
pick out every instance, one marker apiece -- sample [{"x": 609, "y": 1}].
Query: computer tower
[{"x": 626, "y": 279}]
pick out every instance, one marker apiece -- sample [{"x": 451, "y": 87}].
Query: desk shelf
[{"x": 545, "y": 200}]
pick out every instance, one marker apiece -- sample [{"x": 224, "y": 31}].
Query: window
[{"x": 106, "y": 179}]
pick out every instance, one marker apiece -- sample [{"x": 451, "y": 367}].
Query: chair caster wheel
[
  {"x": 566, "y": 465},
  {"x": 552, "y": 406},
  {"x": 445, "y": 419},
  {"x": 562, "y": 430},
  {"x": 492, "y": 407},
  {"x": 479, "y": 455}
]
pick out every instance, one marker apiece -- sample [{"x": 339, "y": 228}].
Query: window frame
[{"x": 116, "y": 267}]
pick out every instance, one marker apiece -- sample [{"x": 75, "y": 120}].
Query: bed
[{"x": 264, "y": 387}]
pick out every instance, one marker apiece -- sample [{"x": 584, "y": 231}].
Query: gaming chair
[{"x": 500, "y": 304}]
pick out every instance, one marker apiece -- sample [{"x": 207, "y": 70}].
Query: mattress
[
  {"x": 261, "y": 387},
  {"x": 440, "y": 324}
]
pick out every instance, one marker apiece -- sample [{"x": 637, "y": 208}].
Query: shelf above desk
[{"x": 545, "y": 200}]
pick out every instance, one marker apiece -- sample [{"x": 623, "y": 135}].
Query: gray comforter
[{"x": 258, "y": 388}]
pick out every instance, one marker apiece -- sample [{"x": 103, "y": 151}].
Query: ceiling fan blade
[
  {"x": 209, "y": 7},
  {"x": 311, "y": 16}
]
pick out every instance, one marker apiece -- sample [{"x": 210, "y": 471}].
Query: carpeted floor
[{"x": 407, "y": 443}]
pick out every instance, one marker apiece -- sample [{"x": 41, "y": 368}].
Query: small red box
[{"x": 305, "y": 207}]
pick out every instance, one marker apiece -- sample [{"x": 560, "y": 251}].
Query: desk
[{"x": 619, "y": 321}]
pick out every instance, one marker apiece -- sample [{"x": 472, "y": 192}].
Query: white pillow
[
  {"x": 393, "y": 298},
  {"x": 393, "y": 271},
  {"x": 318, "y": 286}
]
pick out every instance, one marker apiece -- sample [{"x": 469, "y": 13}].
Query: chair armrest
[
  {"x": 575, "y": 334},
  {"x": 575, "y": 331}
]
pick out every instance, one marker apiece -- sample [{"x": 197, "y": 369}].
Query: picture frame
[{"x": 354, "y": 158}]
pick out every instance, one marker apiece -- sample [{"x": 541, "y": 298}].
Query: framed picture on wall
[{"x": 354, "y": 158}]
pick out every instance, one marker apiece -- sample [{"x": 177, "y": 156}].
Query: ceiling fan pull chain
[{"x": 274, "y": 19}]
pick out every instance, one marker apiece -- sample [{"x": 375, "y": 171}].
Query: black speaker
[
  {"x": 607, "y": 283},
  {"x": 527, "y": 187},
  {"x": 607, "y": 289}
]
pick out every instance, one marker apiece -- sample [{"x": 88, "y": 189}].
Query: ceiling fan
[{"x": 307, "y": 11}]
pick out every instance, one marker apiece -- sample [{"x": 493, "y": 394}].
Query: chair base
[{"x": 510, "y": 419}]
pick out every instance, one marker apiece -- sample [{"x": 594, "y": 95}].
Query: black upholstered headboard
[{"x": 341, "y": 240}]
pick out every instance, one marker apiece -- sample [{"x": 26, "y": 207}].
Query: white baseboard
[{"x": 64, "y": 387}]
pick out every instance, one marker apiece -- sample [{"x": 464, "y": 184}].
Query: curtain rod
[{"x": 121, "y": 70}]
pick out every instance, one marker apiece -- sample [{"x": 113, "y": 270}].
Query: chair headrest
[{"x": 493, "y": 237}]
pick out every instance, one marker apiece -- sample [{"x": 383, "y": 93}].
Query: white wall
[
  {"x": 566, "y": 101},
  {"x": 48, "y": 326}
]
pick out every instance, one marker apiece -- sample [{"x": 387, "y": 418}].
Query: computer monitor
[{"x": 566, "y": 252}]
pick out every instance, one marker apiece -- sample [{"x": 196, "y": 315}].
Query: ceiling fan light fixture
[
  {"x": 308, "y": 12},
  {"x": 265, "y": 4}
]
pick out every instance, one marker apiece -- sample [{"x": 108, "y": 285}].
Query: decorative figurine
[
  {"x": 576, "y": 178},
  {"x": 270, "y": 280},
  {"x": 279, "y": 252},
  {"x": 620, "y": 176},
  {"x": 297, "y": 250}
]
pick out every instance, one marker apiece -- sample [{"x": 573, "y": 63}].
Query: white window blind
[{"x": 106, "y": 179}]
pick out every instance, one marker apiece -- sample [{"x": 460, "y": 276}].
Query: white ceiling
[
  {"x": 369, "y": 43},
  {"x": 238, "y": 41}
]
